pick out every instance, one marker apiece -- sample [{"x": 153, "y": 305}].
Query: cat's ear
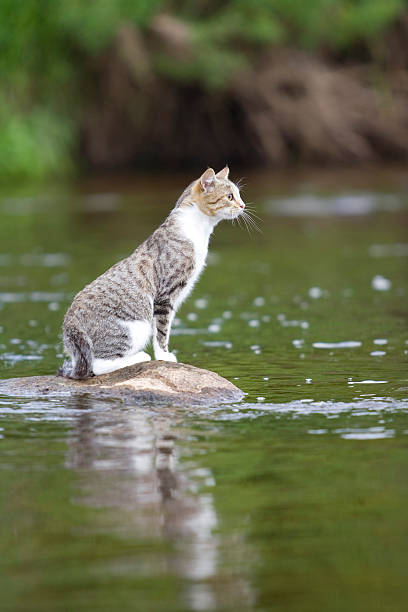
[
  {"x": 207, "y": 180},
  {"x": 223, "y": 174}
]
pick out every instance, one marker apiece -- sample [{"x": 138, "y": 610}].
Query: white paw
[
  {"x": 165, "y": 356},
  {"x": 143, "y": 356}
]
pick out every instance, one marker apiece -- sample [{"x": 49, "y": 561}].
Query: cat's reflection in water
[{"x": 128, "y": 462}]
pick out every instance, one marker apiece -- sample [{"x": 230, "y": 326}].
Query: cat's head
[{"x": 217, "y": 196}]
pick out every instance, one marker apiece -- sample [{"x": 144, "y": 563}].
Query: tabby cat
[{"x": 112, "y": 319}]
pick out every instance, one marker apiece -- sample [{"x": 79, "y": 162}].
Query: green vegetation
[
  {"x": 47, "y": 49},
  {"x": 44, "y": 49}
]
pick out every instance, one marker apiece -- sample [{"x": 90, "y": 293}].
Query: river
[{"x": 293, "y": 499}]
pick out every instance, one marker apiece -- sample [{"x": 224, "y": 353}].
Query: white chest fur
[{"x": 196, "y": 227}]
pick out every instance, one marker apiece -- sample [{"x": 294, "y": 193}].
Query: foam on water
[
  {"x": 367, "y": 382},
  {"x": 374, "y": 406},
  {"x": 369, "y": 433},
  {"x": 389, "y": 250},
  {"x": 335, "y": 345},
  {"x": 353, "y": 204},
  {"x": 217, "y": 343},
  {"x": 46, "y": 260},
  {"x": 380, "y": 283}
]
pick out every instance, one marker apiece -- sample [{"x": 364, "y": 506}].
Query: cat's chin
[{"x": 232, "y": 215}]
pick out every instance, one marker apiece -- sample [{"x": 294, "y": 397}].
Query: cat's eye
[{"x": 230, "y": 196}]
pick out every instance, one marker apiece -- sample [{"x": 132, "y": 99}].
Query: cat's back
[
  {"x": 120, "y": 284},
  {"x": 166, "y": 253}
]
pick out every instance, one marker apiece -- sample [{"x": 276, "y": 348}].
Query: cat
[{"x": 112, "y": 319}]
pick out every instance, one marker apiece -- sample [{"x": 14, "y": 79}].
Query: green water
[{"x": 294, "y": 499}]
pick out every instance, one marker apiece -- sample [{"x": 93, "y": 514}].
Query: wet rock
[{"x": 150, "y": 382}]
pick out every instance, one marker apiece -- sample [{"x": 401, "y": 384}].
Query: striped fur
[{"x": 112, "y": 319}]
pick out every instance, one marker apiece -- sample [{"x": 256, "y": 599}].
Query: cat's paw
[
  {"x": 140, "y": 357},
  {"x": 166, "y": 356}
]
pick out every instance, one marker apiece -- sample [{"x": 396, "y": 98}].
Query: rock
[{"x": 149, "y": 382}]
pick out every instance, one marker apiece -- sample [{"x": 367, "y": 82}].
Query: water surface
[{"x": 294, "y": 498}]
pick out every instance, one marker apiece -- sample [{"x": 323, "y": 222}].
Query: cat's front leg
[
  {"x": 162, "y": 319},
  {"x": 160, "y": 355}
]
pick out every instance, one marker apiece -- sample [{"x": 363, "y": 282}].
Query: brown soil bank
[{"x": 291, "y": 107}]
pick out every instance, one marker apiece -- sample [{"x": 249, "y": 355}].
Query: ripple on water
[
  {"x": 315, "y": 293},
  {"x": 368, "y": 433},
  {"x": 46, "y": 260},
  {"x": 15, "y": 357},
  {"x": 201, "y": 303},
  {"x": 253, "y": 323},
  {"x": 259, "y": 301},
  {"x": 306, "y": 407},
  {"x": 188, "y": 331},
  {"x": 342, "y": 205},
  {"x": 380, "y": 283},
  {"x": 358, "y": 433},
  {"x": 11, "y": 297},
  {"x": 398, "y": 249},
  {"x": 291, "y": 323},
  {"x": 217, "y": 343},
  {"x": 335, "y": 345},
  {"x": 59, "y": 408},
  {"x": 367, "y": 382},
  {"x": 214, "y": 328}
]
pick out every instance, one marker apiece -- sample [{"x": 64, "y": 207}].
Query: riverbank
[
  {"x": 121, "y": 86},
  {"x": 294, "y": 107}
]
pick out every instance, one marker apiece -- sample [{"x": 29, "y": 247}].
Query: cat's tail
[{"x": 78, "y": 345}]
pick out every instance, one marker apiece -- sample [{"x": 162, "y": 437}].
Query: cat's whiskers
[
  {"x": 253, "y": 215},
  {"x": 240, "y": 184},
  {"x": 239, "y": 220},
  {"x": 249, "y": 208},
  {"x": 253, "y": 223},
  {"x": 242, "y": 220},
  {"x": 247, "y": 217}
]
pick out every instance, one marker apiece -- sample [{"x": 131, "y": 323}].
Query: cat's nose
[{"x": 242, "y": 205}]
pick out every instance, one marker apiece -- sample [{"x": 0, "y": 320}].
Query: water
[{"x": 295, "y": 498}]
